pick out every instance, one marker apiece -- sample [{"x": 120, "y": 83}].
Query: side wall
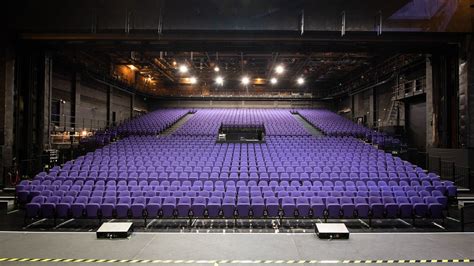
[{"x": 89, "y": 100}]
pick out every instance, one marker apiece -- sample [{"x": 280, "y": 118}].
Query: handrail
[{"x": 462, "y": 208}]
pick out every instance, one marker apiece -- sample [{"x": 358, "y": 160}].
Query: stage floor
[{"x": 83, "y": 248}]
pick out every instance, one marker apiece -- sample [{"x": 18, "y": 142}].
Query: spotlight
[
  {"x": 245, "y": 80},
  {"x": 193, "y": 80},
  {"x": 216, "y": 69},
  {"x": 279, "y": 69},
  {"x": 220, "y": 80},
  {"x": 300, "y": 81},
  {"x": 273, "y": 80},
  {"x": 183, "y": 69}
]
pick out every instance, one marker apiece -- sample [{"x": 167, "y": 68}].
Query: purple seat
[
  {"x": 377, "y": 208},
  {"x": 64, "y": 206},
  {"x": 443, "y": 200},
  {"x": 333, "y": 207},
  {"x": 33, "y": 208},
  {"x": 48, "y": 208},
  {"x": 272, "y": 207},
  {"x": 391, "y": 207},
  {"x": 243, "y": 206},
  {"x": 228, "y": 207},
  {"x": 303, "y": 207},
  {"x": 137, "y": 208},
  {"x": 347, "y": 207},
  {"x": 257, "y": 207},
  {"x": 214, "y": 207},
  {"x": 78, "y": 207},
  {"x": 361, "y": 207},
  {"x": 405, "y": 207},
  {"x": 168, "y": 207},
  {"x": 420, "y": 208},
  {"x": 434, "y": 207},
  {"x": 184, "y": 206},
  {"x": 198, "y": 207},
  {"x": 288, "y": 206},
  {"x": 317, "y": 207},
  {"x": 107, "y": 208},
  {"x": 93, "y": 206},
  {"x": 153, "y": 207},
  {"x": 123, "y": 206}
]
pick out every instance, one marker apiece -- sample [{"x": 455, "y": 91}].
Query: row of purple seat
[{"x": 234, "y": 207}]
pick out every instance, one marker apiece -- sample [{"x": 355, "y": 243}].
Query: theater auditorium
[{"x": 208, "y": 132}]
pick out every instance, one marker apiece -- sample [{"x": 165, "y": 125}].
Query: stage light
[
  {"x": 183, "y": 69},
  {"x": 193, "y": 80},
  {"x": 245, "y": 80},
  {"x": 273, "y": 80},
  {"x": 279, "y": 69},
  {"x": 300, "y": 81},
  {"x": 216, "y": 69},
  {"x": 220, "y": 80}
]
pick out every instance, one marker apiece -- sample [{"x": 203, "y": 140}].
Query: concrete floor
[
  {"x": 251, "y": 247},
  {"x": 311, "y": 129}
]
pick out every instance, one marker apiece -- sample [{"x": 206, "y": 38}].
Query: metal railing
[
  {"x": 467, "y": 213},
  {"x": 461, "y": 176},
  {"x": 65, "y": 123}
]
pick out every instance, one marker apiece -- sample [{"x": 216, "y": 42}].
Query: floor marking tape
[{"x": 217, "y": 262}]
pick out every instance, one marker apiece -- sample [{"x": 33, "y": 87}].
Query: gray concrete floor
[
  {"x": 193, "y": 246},
  {"x": 177, "y": 125},
  {"x": 311, "y": 129}
]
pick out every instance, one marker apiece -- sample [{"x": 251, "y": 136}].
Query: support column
[
  {"x": 430, "y": 112},
  {"x": 463, "y": 103},
  {"x": 76, "y": 122},
  {"x": 109, "y": 105},
  {"x": 371, "y": 116},
  {"x": 45, "y": 94},
  {"x": 470, "y": 96},
  {"x": 7, "y": 73},
  {"x": 352, "y": 107},
  {"x": 132, "y": 104}
]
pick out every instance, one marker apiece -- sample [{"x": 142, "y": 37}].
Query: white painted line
[
  {"x": 329, "y": 261},
  {"x": 150, "y": 223},
  {"x": 10, "y": 212},
  {"x": 403, "y": 221},
  {"x": 37, "y": 222},
  {"x": 439, "y": 226},
  {"x": 364, "y": 223},
  {"x": 63, "y": 223},
  {"x": 453, "y": 219}
]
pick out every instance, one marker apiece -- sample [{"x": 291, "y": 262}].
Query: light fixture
[
  {"x": 193, "y": 80},
  {"x": 273, "y": 80},
  {"x": 245, "y": 80},
  {"x": 84, "y": 133},
  {"x": 174, "y": 63},
  {"x": 300, "y": 81},
  {"x": 183, "y": 69},
  {"x": 220, "y": 80},
  {"x": 132, "y": 67},
  {"x": 216, "y": 69},
  {"x": 279, "y": 69}
]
